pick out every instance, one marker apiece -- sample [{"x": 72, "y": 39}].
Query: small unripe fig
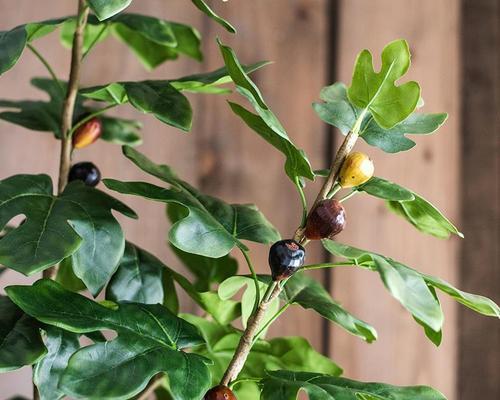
[
  {"x": 220, "y": 392},
  {"x": 325, "y": 220},
  {"x": 87, "y": 134},
  {"x": 86, "y": 172},
  {"x": 356, "y": 170},
  {"x": 285, "y": 257}
]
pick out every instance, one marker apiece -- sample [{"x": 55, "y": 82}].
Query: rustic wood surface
[
  {"x": 479, "y": 338},
  {"x": 226, "y": 159}
]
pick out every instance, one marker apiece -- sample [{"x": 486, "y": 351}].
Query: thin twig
[
  {"x": 245, "y": 344},
  {"x": 68, "y": 107},
  {"x": 47, "y": 66}
]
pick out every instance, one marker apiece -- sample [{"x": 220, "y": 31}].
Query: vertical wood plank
[
  {"x": 237, "y": 164},
  {"x": 479, "y": 338},
  {"x": 403, "y": 355}
]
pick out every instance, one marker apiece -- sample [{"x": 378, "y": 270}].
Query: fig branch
[
  {"x": 295, "y": 253},
  {"x": 69, "y": 105}
]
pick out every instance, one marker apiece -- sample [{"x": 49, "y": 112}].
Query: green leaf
[
  {"x": 13, "y": 42},
  {"x": 336, "y": 109},
  {"x": 20, "y": 340},
  {"x": 79, "y": 223},
  {"x": 138, "y": 278},
  {"x": 265, "y": 123},
  {"x": 121, "y": 131},
  {"x": 210, "y": 227},
  {"x": 105, "y": 9},
  {"x": 393, "y": 140},
  {"x": 66, "y": 276},
  {"x": 413, "y": 289},
  {"x": 37, "y": 115},
  {"x": 203, "y": 7},
  {"x": 223, "y": 311},
  {"x": 234, "y": 284},
  {"x": 159, "y": 98},
  {"x": 154, "y": 40},
  {"x": 207, "y": 271},
  {"x": 286, "y": 385},
  {"x": 310, "y": 294},
  {"x": 386, "y": 190},
  {"x": 95, "y": 32},
  {"x": 294, "y": 353},
  {"x": 424, "y": 216},
  {"x": 149, "y": 341},
  {"x": 377, "y": 93},
  {"x": 209, "y": 82},
  {"x": 48, "y": 372},
  {"x": 405, "y": 284}
]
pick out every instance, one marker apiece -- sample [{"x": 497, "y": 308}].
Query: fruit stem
[
  {"x": 47, "y": 66},
  {"x": 68, "y": 107},
  {"x": 268, "y": 323},
  {"x": 88, "y": 118},
  {"x": 246, "y": 339},
  {"x": 254, "y": 277},
  {"x": 348, "y": 196},
  {"x": 303, "y": 201}
]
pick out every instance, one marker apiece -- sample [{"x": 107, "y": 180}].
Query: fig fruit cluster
[
  {"x": 220, "y": 392},
  {"x": 86, "y": 172}
]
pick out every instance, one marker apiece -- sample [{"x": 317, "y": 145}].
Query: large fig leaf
[
  {"x": 78, "y": 223},
  {"x": 265, "y": 123},
  {"x": 414, "y": 290},
  {"x": 150, "y": 340},
  {"x": 308, "y": 293},
  {"x": 377, "y": 93},
  {"x": 14, "y": 42},
  {"x": 20, "y": 340},
  {"x": 286, "y": 385},
  {"x": 48, "y": 372},
  {"x": 210, "y": 227}
]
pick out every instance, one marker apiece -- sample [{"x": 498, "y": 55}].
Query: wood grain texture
[
  {"x": 403, "y": 355},
  {"x": 479, "y": 338}
]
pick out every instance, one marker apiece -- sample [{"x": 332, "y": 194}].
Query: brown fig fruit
[
  {"x": 220, "y": 392},
  {"x": 87, "y": 134},
  {"x": 326, "y": 220}
]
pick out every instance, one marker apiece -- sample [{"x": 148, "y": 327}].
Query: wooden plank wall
[
  {"x": 312, "y": 42},
  {"x": 479, "y": 338}
]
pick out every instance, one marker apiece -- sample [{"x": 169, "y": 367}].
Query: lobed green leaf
[
  {"x": 376, "y": 92},
  {"x": 105, "y": 9}
]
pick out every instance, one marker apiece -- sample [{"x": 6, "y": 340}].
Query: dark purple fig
[
  {"x": 326, "y": 220},
  {"x": 285, "y": 257},
  {"x": 220, "y": 392},
  {"x": 86, "y": 172}
]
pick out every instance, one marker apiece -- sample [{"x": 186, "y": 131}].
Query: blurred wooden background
[{"x": 455, "y": 46}]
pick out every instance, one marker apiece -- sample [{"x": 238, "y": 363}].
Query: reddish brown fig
[
  {"x": 220, "y": 392},
  {"x": 326, "y": 220},
  {"x": 88, "y": 133}
]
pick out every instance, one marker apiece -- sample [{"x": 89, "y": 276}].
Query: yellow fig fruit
[
  {"x": 87, "y": 134},
  {"x": 356, "y": 170}
]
